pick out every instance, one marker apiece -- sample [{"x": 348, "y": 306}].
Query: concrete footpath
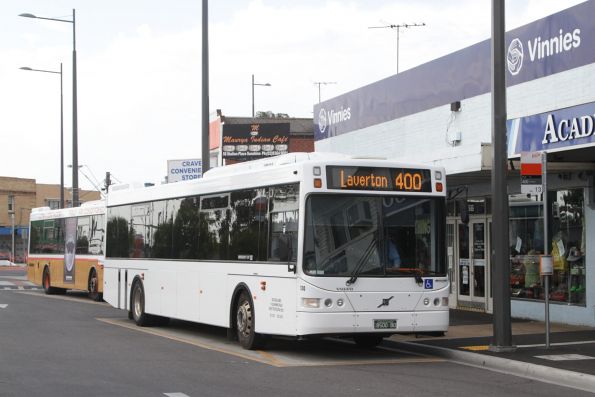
[{"x": 570, "y": 360}]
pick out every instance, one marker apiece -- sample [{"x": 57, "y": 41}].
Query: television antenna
[
  {"x": 319, "y": 83},
  {"x": 398, "y": 27}
]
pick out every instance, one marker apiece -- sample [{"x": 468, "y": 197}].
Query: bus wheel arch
[
  {"x": 232, "y": 331},
  {"x": 93, "y": 285}
]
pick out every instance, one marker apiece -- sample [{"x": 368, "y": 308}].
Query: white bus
[
  {"x": 299, "y": 245},
  {"x": 66, "y": 248}
]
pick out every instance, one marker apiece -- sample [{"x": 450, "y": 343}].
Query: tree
[{"x": 270, "y": 115}]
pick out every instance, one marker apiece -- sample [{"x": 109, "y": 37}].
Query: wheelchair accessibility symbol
[{"x": 428, "y": 283}]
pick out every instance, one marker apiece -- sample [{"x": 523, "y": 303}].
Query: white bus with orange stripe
[
  {"x": 300, "y": 245},
  {"x": 66, "y": 248}
]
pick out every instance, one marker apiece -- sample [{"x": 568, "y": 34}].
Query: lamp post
[
  {"x": 61, "y": 128},
  {"x": 75, "y": 175},
  {"x": 253, "y": 84}
]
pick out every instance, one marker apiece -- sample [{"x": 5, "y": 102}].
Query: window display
[{"x": 567, "y": 246}]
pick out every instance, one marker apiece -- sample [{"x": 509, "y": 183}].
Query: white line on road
[
  {"x": 3, "y": 305},
  {"x": 176, "y": 395}
]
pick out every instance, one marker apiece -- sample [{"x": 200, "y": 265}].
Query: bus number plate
[{"x": 385, "y": 324}]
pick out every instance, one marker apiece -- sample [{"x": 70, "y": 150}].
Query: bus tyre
[
  {"x": 47, "y": 287},
  {"x": 139, "y": 316},
  {"x": 93, "y": 286},
  {"x": 247, "y": 337},
  {"x": 367, "y": 341}
]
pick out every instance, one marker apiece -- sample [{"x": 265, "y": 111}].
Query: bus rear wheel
[
  {"x": 367, "y": 341},
  {"x": 93, "y": 286},
  {"x": 137, "y": 306},
  {"x": 245, "y": 323}
]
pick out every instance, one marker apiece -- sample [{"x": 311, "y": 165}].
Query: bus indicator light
[
  {"x": 439, "y": 186},
  {"x": 317, "y": 183},
  {"x": 263, "y": 285}
]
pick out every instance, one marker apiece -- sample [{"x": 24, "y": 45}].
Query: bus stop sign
[{"x": 531, "y": 172}]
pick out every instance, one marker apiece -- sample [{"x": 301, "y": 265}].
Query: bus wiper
[
  {"x": 362, "y": 260},
  {"x": 417, "y": 273}
]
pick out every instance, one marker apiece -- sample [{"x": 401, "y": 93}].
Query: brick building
[{"x": 17, "y": 197}]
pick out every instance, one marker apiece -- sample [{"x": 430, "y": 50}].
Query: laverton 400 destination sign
[{"x": 376, "y": 178}]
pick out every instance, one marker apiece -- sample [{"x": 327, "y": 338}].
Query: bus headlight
[
  {"x": 445, "y": 301},
  {"x": 339, "y": 302},
  {"x": 426, "y": 301},
  {"x": 328, "y": 302},
  {"x": 436, "y": 301},
  {"x": 313, "y": 303}
]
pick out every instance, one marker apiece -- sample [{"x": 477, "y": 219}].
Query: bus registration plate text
[{"x": 385, "y": 324}]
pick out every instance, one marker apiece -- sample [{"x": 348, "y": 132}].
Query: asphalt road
[{"x": 70, "y": 346}]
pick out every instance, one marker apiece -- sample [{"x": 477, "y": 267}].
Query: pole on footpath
[
  {"x": 502, "y": 339},
  {"x": 205, "y": 154},
  {"x": 546, "y": 267},
  {"x": 13, "y": 259}
]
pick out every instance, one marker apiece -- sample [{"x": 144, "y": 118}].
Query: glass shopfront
[{"x": 566, "y": 235}]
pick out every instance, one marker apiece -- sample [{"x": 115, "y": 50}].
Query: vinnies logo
[
  {"x": 514, "y": 57},
  {"x": 328, "y": 118},
  {"x": 322, "y": 120}
]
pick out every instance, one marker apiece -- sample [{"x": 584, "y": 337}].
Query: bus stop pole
[{"x": 546, "y": 248}]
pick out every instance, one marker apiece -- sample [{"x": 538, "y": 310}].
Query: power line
[{"x": 398, "y": 27}]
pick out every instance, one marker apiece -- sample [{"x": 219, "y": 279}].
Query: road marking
[
  {"x": 176, "y": 395},
  {"x": 77, "y": 299},
  {"x": 565, "y": 357},
  {"x": 476, "y": 348},
  {"x": 3, "y": 305},
  {"x": 285, "y": 357},
  {"x": 580, "y": 342}
]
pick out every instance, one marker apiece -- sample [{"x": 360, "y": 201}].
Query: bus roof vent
[
  {"x": 40, "y": 209},
  {"x": 368, "y": 157},
  {"x": 125, "y": 186},
  {"x": 94, "y": 203}
]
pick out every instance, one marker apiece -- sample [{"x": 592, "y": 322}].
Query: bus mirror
[{"x": 291, "y": 267}]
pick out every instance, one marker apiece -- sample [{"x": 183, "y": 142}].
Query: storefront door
[{"x": 472, "y": 266}]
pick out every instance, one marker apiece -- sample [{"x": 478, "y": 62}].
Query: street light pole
[
  {"x": 253, "y": 84},
  {"x": 75, "y": 177},
  {"x": 61, "y": 128}
]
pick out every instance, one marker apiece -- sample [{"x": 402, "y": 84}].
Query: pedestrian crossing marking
[
  {"x": 565, "y": 357},
  {"x": 3, "y": 305}
]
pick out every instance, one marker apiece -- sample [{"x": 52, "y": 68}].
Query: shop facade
[{"x": 440, "y": 113}]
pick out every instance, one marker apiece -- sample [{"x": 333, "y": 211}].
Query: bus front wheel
[
  {"x": 247, "y": 337},
  {"x": 47, "y": 285}
]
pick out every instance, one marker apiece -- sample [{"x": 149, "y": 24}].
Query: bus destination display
[{"x": 376, "y": 178}]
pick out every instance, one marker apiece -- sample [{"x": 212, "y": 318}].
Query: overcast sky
[{"x": 139, "y": 69}]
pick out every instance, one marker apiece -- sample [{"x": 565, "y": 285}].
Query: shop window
[{"x": 566, "y": 234}]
